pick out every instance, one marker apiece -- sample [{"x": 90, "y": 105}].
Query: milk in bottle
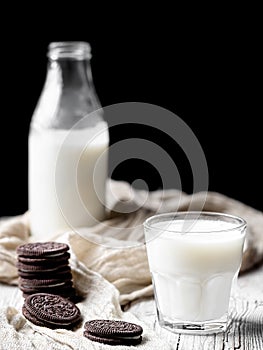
[{"x": 68, "y": 146}]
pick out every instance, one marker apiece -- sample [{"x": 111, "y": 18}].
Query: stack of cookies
[
  {"x": 44, "y": 268},
  {"x": 52, "y": 311}
]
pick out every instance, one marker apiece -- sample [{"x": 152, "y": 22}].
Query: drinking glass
[{"x": 194, "y": 258}]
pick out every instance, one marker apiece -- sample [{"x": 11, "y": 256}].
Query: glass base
[{"x": 196, "y": 328}]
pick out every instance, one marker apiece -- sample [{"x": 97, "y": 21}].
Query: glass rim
[
  {"x": 241, "y": 223},
  {"x": 69, "y": 49}
]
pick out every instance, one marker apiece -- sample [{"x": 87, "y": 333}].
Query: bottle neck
[
  {"x": 73, "y": 73},
  {"x": 68, "y": 94}
]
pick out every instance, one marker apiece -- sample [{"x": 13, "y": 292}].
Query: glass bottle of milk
[{"x": 68, "y": 146}]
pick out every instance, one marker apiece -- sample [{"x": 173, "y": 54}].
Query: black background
[{"x": 207, "y": 72}]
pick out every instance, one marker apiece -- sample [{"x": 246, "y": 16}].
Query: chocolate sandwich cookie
[
  {"x": 60, "y": 289},
  {"x": 113, "y": 332},
  {"x": 37, "y": 285},
  {"x": 45, "y": 249},
  {"x": 63, "y": 273},
  {"x": 51, "y": 311},
  {"x": 40, "y": 268},
  {"x": 51, "y": 260},
  {"x": 42, "y": 282},
  {"x": 47, "y": 324}
]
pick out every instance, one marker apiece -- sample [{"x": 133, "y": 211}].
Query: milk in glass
[{"x": 193, "y": 264}]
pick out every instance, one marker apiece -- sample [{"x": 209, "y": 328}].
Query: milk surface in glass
[
  {"x": 193, "y": 264},
  {"x": 67, "y": 177}
]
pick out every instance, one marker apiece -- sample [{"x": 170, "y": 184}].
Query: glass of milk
[{"x": 194, "y": 258}]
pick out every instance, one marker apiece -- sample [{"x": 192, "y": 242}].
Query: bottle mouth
[{"x": 77, "y": 50}]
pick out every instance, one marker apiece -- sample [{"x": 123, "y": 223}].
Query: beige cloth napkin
[{"x": 113, "y": 252}]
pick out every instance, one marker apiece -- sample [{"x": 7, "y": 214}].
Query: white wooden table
[{"x": 245, "y": 332}]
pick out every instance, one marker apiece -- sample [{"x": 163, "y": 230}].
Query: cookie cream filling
[
  {"x": 32, "y": 286},
  {"x": 135, "y": 337},
  {"x": 51, "y": 255}
]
